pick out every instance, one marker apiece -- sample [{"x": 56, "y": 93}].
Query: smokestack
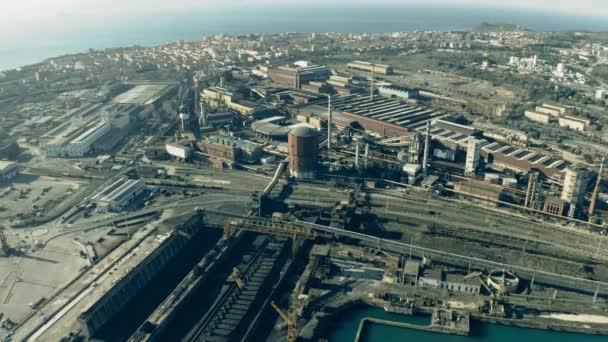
[
  {"x": 329, "y": 114},
  {"x": 596, "y": 189},
  {"x": 366, "y": 160},
  {"x": 357, "y": 155},
  {"x": 427, "y": 141}
]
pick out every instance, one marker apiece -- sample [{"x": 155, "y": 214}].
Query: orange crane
[{"x": 290, "y": 320}]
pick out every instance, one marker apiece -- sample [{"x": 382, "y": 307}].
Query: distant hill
[{"x": 488, "y": 27}]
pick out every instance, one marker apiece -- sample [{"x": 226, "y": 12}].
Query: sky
[{"x": 32, "y": 12}]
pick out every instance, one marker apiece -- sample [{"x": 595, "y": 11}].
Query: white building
[
  {"x": 80, "y": 146},
  {"x": 179, "y": 150},
  {"x": 537, "y": 116},
  {"x": 119, "y": 194},
  {"x": 574, "y": 123}
]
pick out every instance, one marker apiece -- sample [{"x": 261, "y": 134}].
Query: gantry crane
[{"x": 290, "y": 320}]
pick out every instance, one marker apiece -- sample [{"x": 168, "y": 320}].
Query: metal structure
[
  {"x": 596, "y": 190},
  {"x": 533, "y": 193},
  {"x": 290, "y": 320},
  {"x": 275, "y": 227},
  {"x": 6, "y": 248},
  {"x": 414, "y": 148},
  {"x": 371, "y": 88},
  {"x": 236, "y": 276},
  {"x": 427, "y": 141}
]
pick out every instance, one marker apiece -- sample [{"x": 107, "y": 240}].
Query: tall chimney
[
  {"x": 366, "y": 160},
  {"x": 427, "y": 141}
]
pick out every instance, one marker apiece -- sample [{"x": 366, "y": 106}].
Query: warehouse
[
  {"x": 120, "y": 194},
  {"x": 455, "y": 136},
  {"x": 367, "y": 66},
  {"x": 294, "y": 76},
  {"x": 382, "y": 116}
]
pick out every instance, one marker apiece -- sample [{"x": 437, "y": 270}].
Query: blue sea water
[
  {"x": 344, "y": 329},
  {"x": 18, "y": 49}
]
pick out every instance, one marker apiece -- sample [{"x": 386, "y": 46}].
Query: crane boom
[
  {"x": 280, "y": 312},
  {"x": 292, "y": 333}
]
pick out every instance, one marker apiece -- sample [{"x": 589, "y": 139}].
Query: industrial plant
[{"x": 250, "y": 189}]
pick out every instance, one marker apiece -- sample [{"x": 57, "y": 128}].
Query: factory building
[
  {"x": 575, "y": 185},
  {"x": 230, "y": 149},
  {"x": 294, "y": 76},
  {"x": 455, "y": 137},
  {"x": 397, "y": 91},
  {"x": 180, "y": 149},
  {"x": 473, "y": 156},
  {"x": 438, "y": 279},
  {"x": 480, "y": 191},
  {"x": 386, "y": 117},
  {"x": 8, "y": 171},
  {"x": 120, "y": 194},
  {"x": 554, "y": 206},
  {"x": 110, "y": 89},
  {"x": 222, "y": 98},
  {"x": 80, "y": 137},
  {"x": 303, "y": 146},
  {"x": 75, "y": 142},
  {"x": 376, "y": 68}
]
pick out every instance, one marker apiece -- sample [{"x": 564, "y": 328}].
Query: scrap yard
[{"x": 215, "y": 202}]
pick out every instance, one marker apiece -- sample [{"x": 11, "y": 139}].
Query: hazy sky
[{"x": 33, "y": 11}]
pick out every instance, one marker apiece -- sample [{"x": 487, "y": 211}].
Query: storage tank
[{"x": 303, "y": 149}]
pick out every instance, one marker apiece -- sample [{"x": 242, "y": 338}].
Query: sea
[
  {"x": 34, "y": 44},
  {"x": 346, "y": 325}
]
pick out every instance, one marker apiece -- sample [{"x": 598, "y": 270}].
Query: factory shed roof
[{"x": 6, "y": 166}]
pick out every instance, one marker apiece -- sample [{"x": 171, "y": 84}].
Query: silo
[{"x": 303, "y": 145}]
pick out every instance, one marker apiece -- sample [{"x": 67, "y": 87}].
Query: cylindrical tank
[{"x": 303, "y": 149}]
